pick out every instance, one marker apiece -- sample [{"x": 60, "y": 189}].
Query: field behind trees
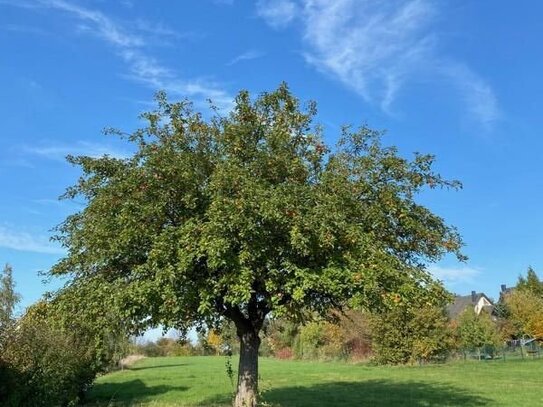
[{"x": 203, "y": 381}]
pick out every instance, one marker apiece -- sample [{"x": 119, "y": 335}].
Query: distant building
[{"x": 479, "y": 302}]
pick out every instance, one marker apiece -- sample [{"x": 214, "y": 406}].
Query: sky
[{"x": 459, "y": 79}]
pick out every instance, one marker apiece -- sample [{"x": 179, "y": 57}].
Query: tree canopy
[
  {"x": 530, "y": 283},
  {"x": 235, "y": 216},
  {"x": 525, "y": 309}
]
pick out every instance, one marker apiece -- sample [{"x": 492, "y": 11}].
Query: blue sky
[{"x": 460, "y": 79}]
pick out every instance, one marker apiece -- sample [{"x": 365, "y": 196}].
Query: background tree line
[{"x": 414, "y": 332}]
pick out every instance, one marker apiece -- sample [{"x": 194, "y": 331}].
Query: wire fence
[{"x": 513, "y": 350}]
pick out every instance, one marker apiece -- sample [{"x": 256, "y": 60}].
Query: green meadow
[{"x": 203, "y": 381}]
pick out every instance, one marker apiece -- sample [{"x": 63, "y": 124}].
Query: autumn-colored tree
[
  {"x": 214, "y": 340},
  {"x": 355, "y": 330},
  {"x": 525, "y": 313},
  {"x": 240, "y": 215},
  {"x": 281, "y": 335},
  {"x": 410, "y": 332},
  {"x": 346, "y": 337}
]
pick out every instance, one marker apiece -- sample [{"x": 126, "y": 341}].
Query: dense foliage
[
  {"x": 411, "y": 333},
  {"x": 520, "y": 309},
  {"x": 525, "y": 309},
  {"x": 51, "y": 355},
  {"x": 48, "y": 367},
  {"x": 478, "y": 333},
  {"x": 346, "y": 338}
]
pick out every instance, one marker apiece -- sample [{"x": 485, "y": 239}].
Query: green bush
[
  {"x": 51, "y": 355},
  {"x": 45, "y": 366},
  {"x": 48, "y": 361},
  {"x": 321, "y": 341},
  {"x": 312, "y": 339},
  {"x": 280, "y": 334},
  {"x": 477, "y": 334},
  {"x": 408, "y": 334}
]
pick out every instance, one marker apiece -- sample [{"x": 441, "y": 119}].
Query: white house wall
[{"x": 480, "y": 304}]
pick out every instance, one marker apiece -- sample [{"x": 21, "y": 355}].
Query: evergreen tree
[{"x": 531, "y": 283}]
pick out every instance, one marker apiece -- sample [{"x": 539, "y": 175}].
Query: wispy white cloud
[
  {"x": 376, "y": 47},
  {"x": 132, "y": 46},
  {"x": 246, "y": 56},
  {"x": 157, "y": 29},
  {"x": 478, "y": 95},
  {"x": 369, "y": 46},
  {"x": 58, "y": 152},
  {"x": 104, "y": 26},
  {"x": 27, "y": 242},
  {"x": 277, "y": 13},
  {"x": 454, "y": 275}
]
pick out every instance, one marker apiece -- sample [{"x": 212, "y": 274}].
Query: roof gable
[{"x": 477, "y": 301}]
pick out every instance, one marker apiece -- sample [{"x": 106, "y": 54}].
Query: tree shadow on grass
[
  {"x": 379, "y": 393},
  {"x": 126, "y": 393},
  {"x": 375, "y": 393}
]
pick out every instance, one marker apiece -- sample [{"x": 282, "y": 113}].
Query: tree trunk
[{"x": 247, "y": 391}]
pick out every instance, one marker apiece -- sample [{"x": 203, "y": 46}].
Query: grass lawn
[{"x": 202, "y": 381}]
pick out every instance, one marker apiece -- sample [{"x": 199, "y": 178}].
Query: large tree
[{"x": 237, "y": 216}]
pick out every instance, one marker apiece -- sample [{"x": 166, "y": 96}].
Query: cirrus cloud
[
  {"x": 454, "y": 275},
  {"x": 376, "y": 47},
  {"x": 15, "y": 239},
  {"x": 133, "y": 46}
]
